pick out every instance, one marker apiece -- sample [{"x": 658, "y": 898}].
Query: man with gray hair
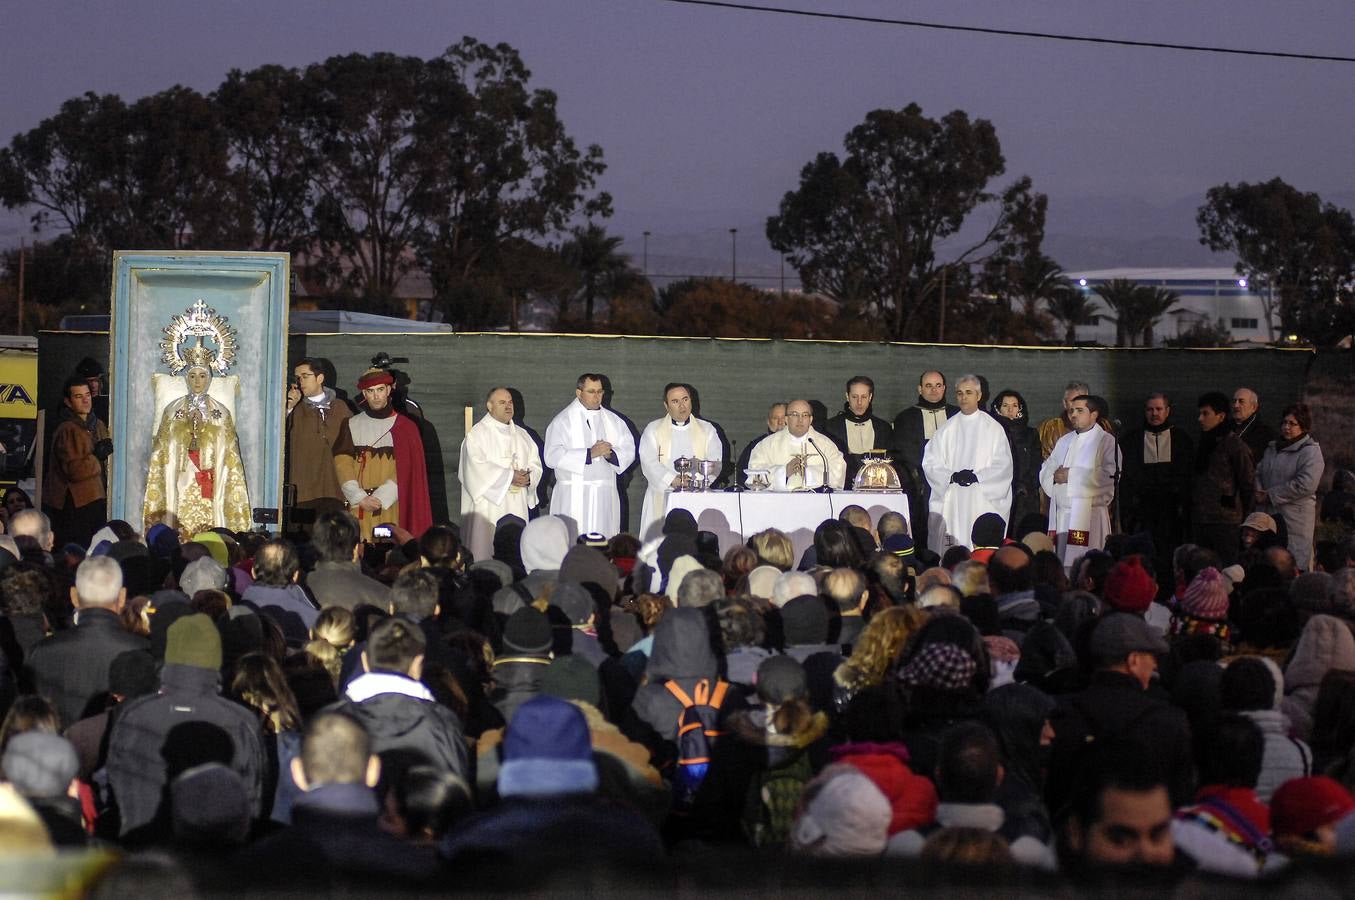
[
  {"x": 700, "y": 587},
  {"x": 968, "y": 464},
  {"x": 70, "y": 668},
  {"x": 1247, "y": 425},
  {"x": 789, "y": 585}
]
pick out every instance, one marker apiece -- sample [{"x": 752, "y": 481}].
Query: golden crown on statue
[{"x": 198, "y": 321}]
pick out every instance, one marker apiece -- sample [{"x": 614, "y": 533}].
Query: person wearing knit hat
[
  {"x": 379, "y": 460},
  {"x": 940, "y": 666},
  {"x": 1203, "y": 607},
  {"x": 42, "y": 767},
  {"x": 842, "y": 813},
  {"x": 580, "y": 612},
  {"x": 210, "y": 809},
  {"x": 986, "y": 536},
  {"x": 1311, "y": 816},
  {"x": 1129, "y": 588},
  {"x": 549, "y": 813},
  {"x": 527, "y": 641},
  {"x": 157, "y": 737}
]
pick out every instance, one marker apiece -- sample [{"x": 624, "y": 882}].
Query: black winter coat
[
  {"x": 158, "y": 737},
  {"x": 408, "y": 731},
  {"x": 1114, "y": 707},
  {"x": 70, "y": 668}
]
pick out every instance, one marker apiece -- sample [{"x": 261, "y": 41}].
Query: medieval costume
[
  {"x": 380, "y": 453},
  {"x": 313, "y": 426}
]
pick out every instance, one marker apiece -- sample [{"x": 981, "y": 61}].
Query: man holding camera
[
  {"x": 379, "y": 461},
  {"x": 73, "y": 488}
]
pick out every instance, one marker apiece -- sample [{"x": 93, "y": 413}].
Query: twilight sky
[{"x": 706, "y": 115}]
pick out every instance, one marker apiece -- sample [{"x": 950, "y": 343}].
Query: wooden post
[
  {"x": 941, "y": 319},
  {"x": 469, "y": 413}
]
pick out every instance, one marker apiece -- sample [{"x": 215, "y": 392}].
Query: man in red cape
[{"x": 379, "y": 460}]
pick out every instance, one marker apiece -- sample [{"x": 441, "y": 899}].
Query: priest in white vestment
[
  {"x": 678, "y": 434},
  {"x": 1079, "y": 477},
  {"x": 968, "y": 464},
  {"x": 588, "y": 446},
  {"x": 500, "y": 470},
  {"x": 798, "y": 457}
]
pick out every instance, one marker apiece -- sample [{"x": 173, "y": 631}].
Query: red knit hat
[
  {"x": 1129, "y": 588},
  {"x": 1303, "y": 805}
]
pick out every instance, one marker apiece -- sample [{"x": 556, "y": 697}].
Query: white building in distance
[{"x": 1215, "y": 296}]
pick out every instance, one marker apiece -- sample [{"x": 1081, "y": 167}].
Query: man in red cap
[{"x": 379, "y": 460}]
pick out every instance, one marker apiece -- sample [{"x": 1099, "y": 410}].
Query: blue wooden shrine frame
[{"x": 251, "y": 291}]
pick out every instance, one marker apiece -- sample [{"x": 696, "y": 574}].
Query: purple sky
[{"x": 707, "y": 115}]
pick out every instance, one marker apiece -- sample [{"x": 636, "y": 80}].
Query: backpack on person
[
  {"x": 698, "y": 727},
  {"x": 773, "y": 796}
]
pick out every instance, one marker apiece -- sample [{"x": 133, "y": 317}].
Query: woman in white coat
[{"x": 1287, "y": 479}]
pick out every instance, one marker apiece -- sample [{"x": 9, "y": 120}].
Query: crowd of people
[{"x": 1162, "y": 685}]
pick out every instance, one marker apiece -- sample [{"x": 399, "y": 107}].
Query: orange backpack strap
[
  {"x": 701, "y": 692},
  {"x": 679, "y": 693},
  {"x": 717, "y": 697}
]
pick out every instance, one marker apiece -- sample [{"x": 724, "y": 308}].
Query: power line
[{"x": 1009, "y": 32}]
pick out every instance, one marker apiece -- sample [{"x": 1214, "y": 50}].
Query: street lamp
[{"x": 733, "y": 254}]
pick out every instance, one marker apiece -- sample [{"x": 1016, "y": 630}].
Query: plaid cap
[{"x": 946, "y": 667}]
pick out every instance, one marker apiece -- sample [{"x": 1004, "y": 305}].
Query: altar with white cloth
[{"x": 736, "y": 516}]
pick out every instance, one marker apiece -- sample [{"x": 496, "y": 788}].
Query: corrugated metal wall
[{"x": 736, "y": 379}]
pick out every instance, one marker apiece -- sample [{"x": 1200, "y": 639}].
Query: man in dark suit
[
  {"x": 857, "y": 430},
  {"x": 912, "y": 429},
  {"x": 1154, "y": 496}
]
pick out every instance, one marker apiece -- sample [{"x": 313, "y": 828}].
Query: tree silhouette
[{"x": 1070, "y": 306}]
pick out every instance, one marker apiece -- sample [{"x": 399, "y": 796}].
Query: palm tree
[
  {"x": 1155, "y": 302},
  {"x": 1070, "y": 306},
  {"x": 1122, "y": 296},
  {"x": 591, "y": 252}
]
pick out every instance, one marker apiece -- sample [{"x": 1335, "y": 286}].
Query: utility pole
[
  {"x": 22, "y": 254},
  {"x": 646, "y": 255},
  {"x": 733, "y": 254}
]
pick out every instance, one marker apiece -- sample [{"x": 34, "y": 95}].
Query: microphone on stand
[{"x": 824, "y": 488}]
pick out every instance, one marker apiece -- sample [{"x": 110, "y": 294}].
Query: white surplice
[
  {"x": 489, "y": 453},
  {"x": 1079, "y": 511},
  {"x": 775, "y": 450},
  {"x": 661, "y": 442},
  {"x": 585, "y": 489},
  {"x": 976, "y": 442}
]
